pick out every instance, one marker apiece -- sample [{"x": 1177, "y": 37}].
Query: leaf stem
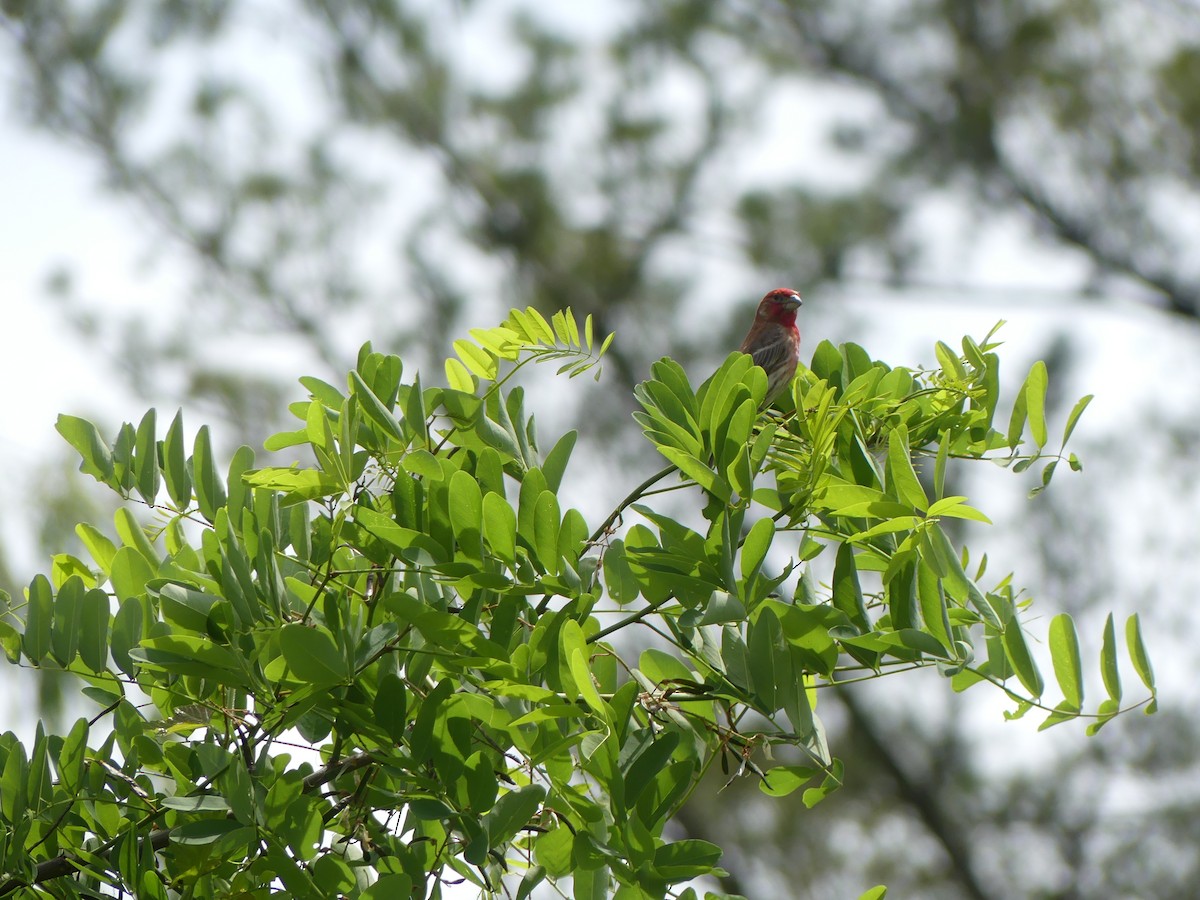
[
  {"x": 633, "y": 496},
  {"x": 631, "y": 620}
]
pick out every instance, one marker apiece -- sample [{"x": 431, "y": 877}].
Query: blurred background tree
[{"x": 325, "y": 171}]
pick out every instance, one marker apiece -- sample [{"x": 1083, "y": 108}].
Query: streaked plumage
[{"x": 774, "y": 340}]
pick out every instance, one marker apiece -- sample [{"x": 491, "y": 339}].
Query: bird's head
[{"x": 780, "y": 305}]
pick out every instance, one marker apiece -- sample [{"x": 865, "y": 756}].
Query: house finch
[{"x": 774, "y": 340}]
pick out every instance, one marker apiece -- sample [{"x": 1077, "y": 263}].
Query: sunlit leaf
[
  {"x": 1034, "y": 392},
  {"x": 1137, "y": 651},
  {"x": 1064, "y": 652},
  {"x": 1109, "y": 669},
  {"x": 1017, "y": 650}
]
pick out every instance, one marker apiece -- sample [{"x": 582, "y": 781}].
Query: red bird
[{"x": 774, "y": 340}]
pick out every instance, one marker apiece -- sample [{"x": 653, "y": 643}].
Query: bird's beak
[{"x": 793, "y": 301}]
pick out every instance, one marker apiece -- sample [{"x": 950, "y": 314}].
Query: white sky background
[
  {"x": 1137, "y": 359},
  {"x": 52, "y": 215}
]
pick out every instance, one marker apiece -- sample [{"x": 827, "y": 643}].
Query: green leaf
[
  {"x": 570, "y": 639},
  {"x": 1064, "y": 652},
  {"x": 64, "y": 566},
  {"x": 590, "y": 884},
  {"x": 903, "y": 483},
  {"x": 555, "y": 463},
  {"x": 205, "y": 831},
  {"x": 210, "y": 490},
  {"x": 459, "y": 378},
  {"x": 876, "y": 893},
  {"x": 949, "y": 360},
  {"x": 94, "y": 453},
  {"x": 389, "y": 887},
  {"x": 723, "y": 607},
  {"x": 184, "y": 654},
  {"x": 830, "y": 783},
  {"x": 500, "y": 527},
  {"x": 375, "y": 410},
  {"x": 552, "y": 850},
  {"x": 312, "y": 655},
  {"x": 13, "y": 785},
  {"x": 1047, "y": 474},
  {"x": 1073, "y": 418},
  {"x": 681, "y": 860},
  {"x": 93, "y": 636},
  {"x": 546, "y": 524},
  {"x": 1064, "y": 712},
  {"x": 699, "y": 473},
  {"x": 954, "y": 507},
  {"x": 563, "y": 323},
  {"x": 783, "y": 780},
  {"x": 755, "y": 547},
  {"x": 1137, "y": 652},
  {"x": 582, "y": 676},
  {"x": 1108, "y": 709},
  {"x": 66, "y": 625},
  {"x": 39, "y": 618},
  {"x": 645, "y": 767},
  {"x": 174, "y": 463},
  {"x": 839, "y": 496},
  {"x": 130, "y": 572},
  {"x": 512, "y": 812},
  {"x": 423, "y": 463},
  {"x": 847, "y": 594},
  {"x": 323, "y": 392},
  {"x": 1035, "y": 402},
  {"x": 414, "y": 412},
  {"x": 100, "y": 547},
  {"x": 297, "y": 484},
  {"x": 235, "y": 484},
  {"x": 500, "y": 437},
  {"x": 196, "y": 803},
  {"x": 284, "y": 439},
  {"x": 444, "y": 630},
  {"x": 1016, "y": 421},
  {"x": 481, "y": 783},
  {"x": 1017, "y": 651},
  {"x": 939, "y": 469},
  {"x": 126, "y": 634},
  {"x": 133, "y": 535},
  {"x": 391, "y": 705},
  {"x": 1108, "y": 662},
  {"x": 622, "y": 584},
  {"x": 477, "y": 360},
  {"x": 931, "y": 597},
  {"x": 146, "y": 468},
  {"x": 762, "y": 635},
  {"x": 499, "y": 341},
  {"x": 73, "y": 756},
  {"x": 466, "y": 514}
]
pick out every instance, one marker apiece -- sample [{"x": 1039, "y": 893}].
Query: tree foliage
[
  {"x": 404, "y": 665},
  {"x": 625, "y": 161}
]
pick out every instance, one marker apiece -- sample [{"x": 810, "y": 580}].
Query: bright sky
[{"x": 53, "y": 216}]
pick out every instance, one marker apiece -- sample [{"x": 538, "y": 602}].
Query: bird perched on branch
[{"x": 774, "y": 340}]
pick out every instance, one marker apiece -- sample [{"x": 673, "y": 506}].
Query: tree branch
[
  {"x": 1084, "y": 232},
  {"x": 921, "y": 797}
]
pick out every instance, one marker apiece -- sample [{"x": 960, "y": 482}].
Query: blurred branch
[
  {"x": 921, "y": 797},
  {"x": 857, "y": 60},
  {"x": 84, "y": 99},
  {"x": 406, "y": 105},
  {"x": 696, "y": 826}
]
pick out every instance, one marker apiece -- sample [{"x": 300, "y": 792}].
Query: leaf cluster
[{"x": 391, "y": 670}]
